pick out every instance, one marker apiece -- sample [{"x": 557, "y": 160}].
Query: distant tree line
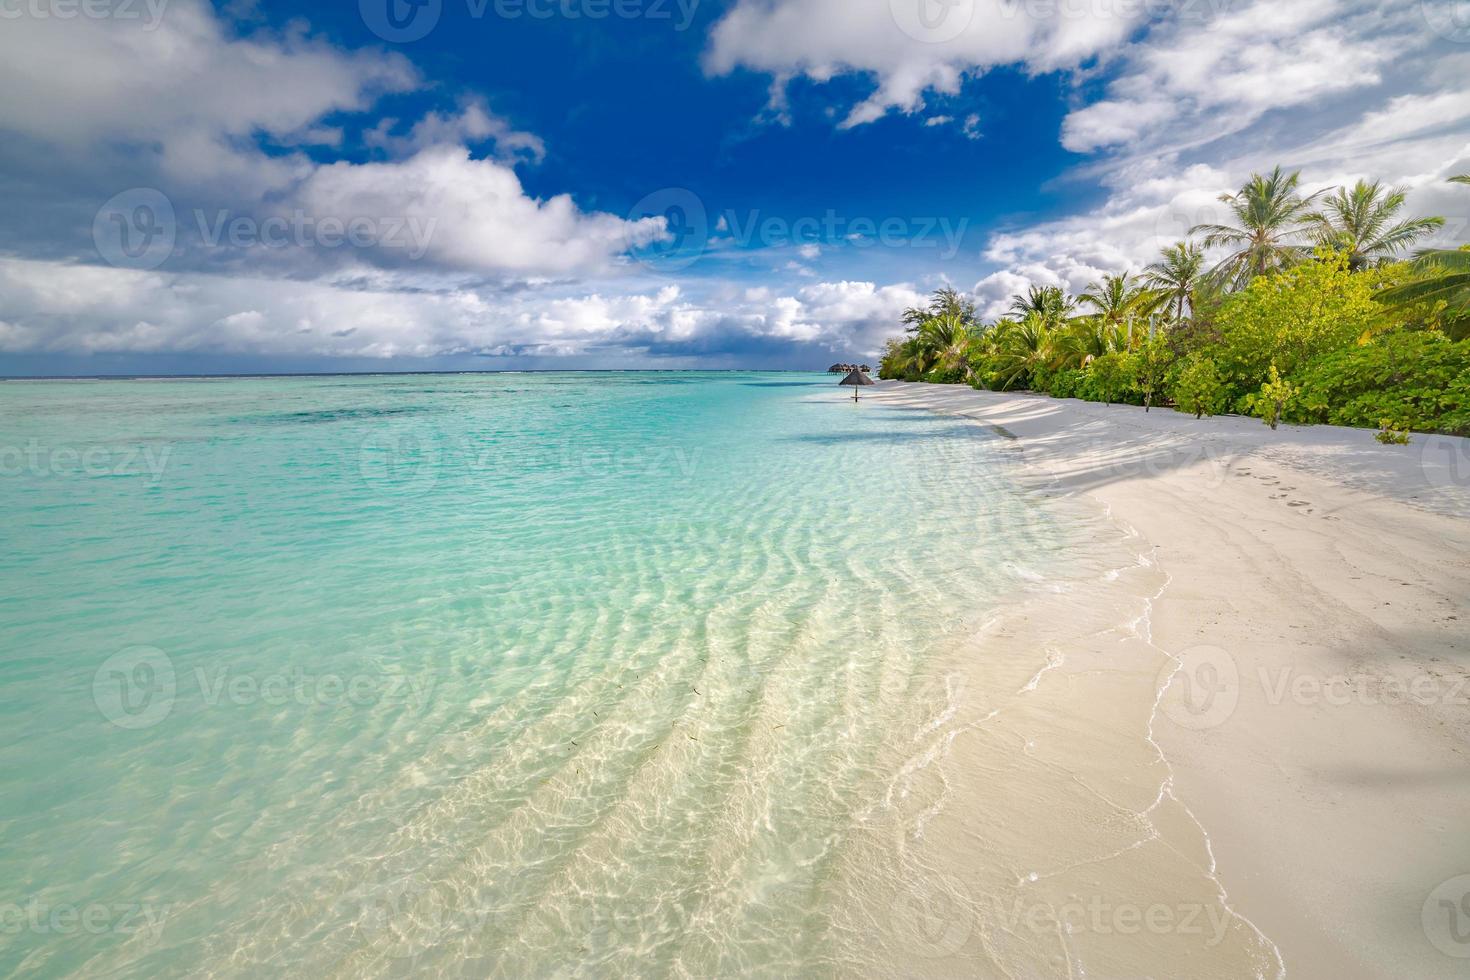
[{"x": 1312, "y": 314}]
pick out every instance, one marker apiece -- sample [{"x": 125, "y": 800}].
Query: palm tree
[
  {"x": 1177, "y": 277},
  {"x": 1085, "y": 340},
  {"x": 946, "y": 301},
  {"x": 1022, "y": 347},
  {"x": 914, "y": 358},
  {"x": 1360, "y": 223},
  {"x": 1268, "y": 212},
  {"x": 1443, "y": 276},
  {"x": 946, "y": 339},
  {"x": 1048, "y": 303},
  {"x": 1117, "y": 301}
]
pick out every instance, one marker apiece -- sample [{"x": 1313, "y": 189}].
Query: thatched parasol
[{"x": 857, "y": 379}]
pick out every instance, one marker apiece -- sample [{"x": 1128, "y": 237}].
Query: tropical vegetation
[{"x": 1299, "y": 308}]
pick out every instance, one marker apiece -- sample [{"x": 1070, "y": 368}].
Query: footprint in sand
[{"x": 1298, "y": 503}]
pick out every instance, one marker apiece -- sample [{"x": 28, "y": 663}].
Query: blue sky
[{"x": 651, "y": 183}]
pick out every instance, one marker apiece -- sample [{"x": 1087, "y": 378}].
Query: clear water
[{"x": 468, "y": 675}]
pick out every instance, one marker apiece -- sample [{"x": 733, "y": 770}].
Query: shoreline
[{"x": 1317, "y": 580}]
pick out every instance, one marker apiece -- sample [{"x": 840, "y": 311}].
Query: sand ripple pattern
[{"x": 655, "y": 660}]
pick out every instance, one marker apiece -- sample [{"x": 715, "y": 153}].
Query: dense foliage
[{"x": 1309, "y": 316}]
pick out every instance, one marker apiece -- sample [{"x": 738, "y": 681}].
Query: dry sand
[{"x": 1316, "y": 722}]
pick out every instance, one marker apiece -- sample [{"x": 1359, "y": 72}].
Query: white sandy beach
[{"x": 1316, "y": 723}]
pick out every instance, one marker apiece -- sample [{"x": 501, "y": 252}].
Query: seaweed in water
[{"x": 332, "y": 415}]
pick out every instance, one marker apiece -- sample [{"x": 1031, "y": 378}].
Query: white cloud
[
  {"x": 179, "y": 107},
  {"x": 477, "y": 214},
  {"x": 187, "y": 85},
  {"x": 905, "y": 53},
  {"x": 1188, "y": 115},
  {"x": 68, "y": 308},
  {"x": 1155, "y": 201},
  {"x": 473, "y": 124},
  {"x": 1191, "y": 79}
]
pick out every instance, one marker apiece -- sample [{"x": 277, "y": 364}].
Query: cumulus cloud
[
  {"x": 53, "y": 307},
  {"x": 181, "y": 106},
  {"x": 1187, "y": 116},
  {"x": 121, "y": 80},
  {"x": 185, "y": 90},
  {"x": 906, "y": 48},
  {"x": 1155, "y": 201},
  {"x": 1215, "y": 76},
  {"x": 477, "y": 215},
  {"x": 472, "y": 125}
]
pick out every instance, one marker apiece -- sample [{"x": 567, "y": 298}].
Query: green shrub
[
  {"x": 1198, "y": 388},
  {"x": 1108, "y": 378},
  {"x": 946, "y": 376},
  {"x": 1270, "y": 402},
  {"x": 1391, "y": 436},
  {"x": 1290, "y": 319},
  {"x": 1151, "y": 364},
  {"x": 1062, "y": 383},
  {"x": 1419, "y": 380}
]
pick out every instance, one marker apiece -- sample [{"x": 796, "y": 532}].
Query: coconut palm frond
[
  {"x": 1270, "y": 215},
  {"x": 1360, "y": 222}
]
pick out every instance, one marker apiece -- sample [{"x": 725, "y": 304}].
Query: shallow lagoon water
[{"x": 477, "y": 674}]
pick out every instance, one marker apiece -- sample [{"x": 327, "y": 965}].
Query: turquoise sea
[{"x": 470, "y": 675}]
